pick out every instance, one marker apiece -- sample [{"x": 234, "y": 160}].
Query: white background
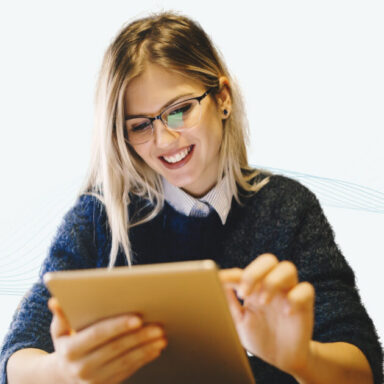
[{"x": 312, "y": 76}]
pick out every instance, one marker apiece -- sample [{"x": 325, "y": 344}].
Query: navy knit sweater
[{"x": 283, "y": 218}]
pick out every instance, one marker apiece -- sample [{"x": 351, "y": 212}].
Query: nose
[{"x": 164, "y": 136}]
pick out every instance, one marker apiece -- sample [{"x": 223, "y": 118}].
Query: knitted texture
[{"x": 283, "y": 218}]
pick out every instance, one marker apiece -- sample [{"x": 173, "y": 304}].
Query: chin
[{"x": 181, "y": 181}]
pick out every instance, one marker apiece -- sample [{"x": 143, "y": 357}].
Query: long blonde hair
[{"x": 116, "y": 171}]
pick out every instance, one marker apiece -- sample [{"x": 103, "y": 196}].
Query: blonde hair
[{"x": 116, "y": 172}]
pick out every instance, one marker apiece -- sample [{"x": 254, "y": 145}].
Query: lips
[{"x": 177, "y": 159}]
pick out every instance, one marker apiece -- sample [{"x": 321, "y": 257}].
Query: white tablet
[{"x": 186, "y": 297}]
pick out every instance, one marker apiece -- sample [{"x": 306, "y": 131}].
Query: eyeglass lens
[{"x": 180, "y": 116}]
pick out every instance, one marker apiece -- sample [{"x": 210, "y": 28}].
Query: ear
[{"x": 223, "y": 97}]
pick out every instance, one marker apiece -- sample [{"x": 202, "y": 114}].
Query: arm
[
  {"x": 108, "y": 351},
  {"x": 40, "y": 346},
  {"x": 314, "y": 269},
  {"x": 33, "y": 366},
  {"x": 275, "y": 323},
  {"x": 74, "y": 247},
  {"x": 341, "y": 363},
  {"x": 344, "y": 333}
]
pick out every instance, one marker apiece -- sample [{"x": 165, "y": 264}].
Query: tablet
[{"x": 186, "y": 297}]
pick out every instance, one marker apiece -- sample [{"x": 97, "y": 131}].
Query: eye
[
  {"x": 135, "y": 125},
  {"x": 179, "y": 115},
  {"x": 180, "y": 109}
]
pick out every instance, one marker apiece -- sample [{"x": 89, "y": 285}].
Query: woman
[{"x": 170, "y": 146}]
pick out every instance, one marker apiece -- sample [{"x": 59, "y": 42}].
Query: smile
[
  {"x": 178, "y": 159},
  {"x": 179, "y": 156}
]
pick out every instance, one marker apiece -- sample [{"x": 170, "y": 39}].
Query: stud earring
[{"x": 225, "y": 112}]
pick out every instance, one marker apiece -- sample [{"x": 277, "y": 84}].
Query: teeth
[{"x": 179, "y": 156}]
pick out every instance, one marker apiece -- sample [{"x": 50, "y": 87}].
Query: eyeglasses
[{"x": 180, "y": 116}]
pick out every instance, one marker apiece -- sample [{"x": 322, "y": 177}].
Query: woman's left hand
[{"x": 275, "y": 321}]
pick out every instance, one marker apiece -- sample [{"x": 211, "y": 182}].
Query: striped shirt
[{"x": 217, "y": 198}]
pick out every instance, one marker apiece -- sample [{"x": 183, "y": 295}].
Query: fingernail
[
  {"x": 287, "y": 309},
  {"x": 160, "y": 343},
  {"x": 156, "y": 332},
  {"x": 263, "y": 298},
  {"x": 134, "y": 322},
  {"x": 241, "y": 292}
]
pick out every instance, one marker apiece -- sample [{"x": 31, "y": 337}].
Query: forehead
[{"x": 155, "y": 87}]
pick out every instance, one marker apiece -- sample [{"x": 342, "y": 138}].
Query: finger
[
  {"x": 301, "y": 297},
  {"x": 59, "y": 325},
  {"x": 255, "y": 272},
  {"x": 231, "y": 276},
  {"x": 95, "y": 335},
  {"x": 234, "y": 306},
  {"x": 121, "y": 345},
  {"x": 281, "y": 278},
  {"x": 126, "y": 365}
]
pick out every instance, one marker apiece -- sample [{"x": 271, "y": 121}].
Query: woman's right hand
[{"x": 108, "y": 351}]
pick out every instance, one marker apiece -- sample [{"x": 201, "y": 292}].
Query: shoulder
[
  {"x": 280, "y": 200},
  {"x": 86, "y": 204},
  {"x": 82, "y": 236},
  {"x": 280, "y": 189},
  {"x": 88, "y": 208}
]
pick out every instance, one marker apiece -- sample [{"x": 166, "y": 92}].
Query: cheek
[
  {"x": 216, "y": 134},
  {"x": 142, "y": 152}
]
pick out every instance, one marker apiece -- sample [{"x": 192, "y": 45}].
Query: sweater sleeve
[
  {"x": 339, "y": 312},
  {"x": 78, "y": 244}
]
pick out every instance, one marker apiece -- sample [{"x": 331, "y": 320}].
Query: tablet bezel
[{"x": 186, "y": 297}]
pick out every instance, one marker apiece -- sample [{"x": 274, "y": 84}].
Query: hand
[
  {"x": 275, "y": 321},
  {"x": 108, "y": 351}
]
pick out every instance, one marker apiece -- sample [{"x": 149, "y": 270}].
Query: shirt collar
[{"x": 219, "y": 197}]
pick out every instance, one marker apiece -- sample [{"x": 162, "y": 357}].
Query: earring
[{"x": 225, "y": 112}]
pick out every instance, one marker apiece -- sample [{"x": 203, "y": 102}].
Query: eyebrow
[{"x": 167, "y": 104}]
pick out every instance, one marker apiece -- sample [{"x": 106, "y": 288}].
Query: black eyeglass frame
[{"x": 158, "y": 117}]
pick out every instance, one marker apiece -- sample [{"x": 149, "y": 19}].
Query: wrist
[
  {"x": 31, "y": 366},
  {"x": 305, "y": 372},
  {"x": 337, "y": 362},
  {"x": 50, "y": 365}
]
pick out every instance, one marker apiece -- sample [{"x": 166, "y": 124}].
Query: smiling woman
[
  {"x": 169, "y": 180},
  {"x": 188, "y": 156}
]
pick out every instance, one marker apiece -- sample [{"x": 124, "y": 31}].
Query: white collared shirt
[{"x": 219, "y": 198}]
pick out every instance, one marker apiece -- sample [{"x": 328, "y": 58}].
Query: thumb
[
  {"x": 234, "y": 305},
  {"x": 59, "y": 325}
]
